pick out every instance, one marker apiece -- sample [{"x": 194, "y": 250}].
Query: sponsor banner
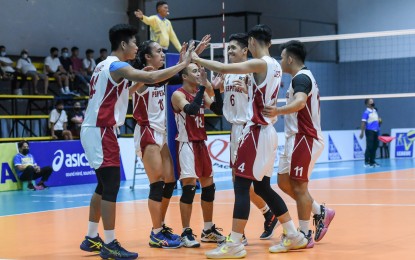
[
  {"x": 8, "y": 177},
  {"x": 403, "y": 144},
  {"x": 68, "y": 160}
]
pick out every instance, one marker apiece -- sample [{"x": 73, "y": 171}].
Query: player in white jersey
[
  {"x": 106, "y": 111},
  {"x": 235, "y": 110},
  {"x": 260, "y": 137},
  {"x": 303, "y": 140}
]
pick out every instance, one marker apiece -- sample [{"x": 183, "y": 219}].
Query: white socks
[
  {"x": 304, "y": 226},
  {"x": 208, "y": 225},
  {"x": 157, "y": 230},
  {"x": 92, "y": 229},
  {"x": 316, "y": 209},
  {"x": 236, "y": 237},
  {"x": 109, "y": 236},
  {"x": 289, "y": 228},
  {"x": 264, "y": 209}
]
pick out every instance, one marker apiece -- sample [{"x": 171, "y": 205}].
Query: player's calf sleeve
[
  {"x": 242, "y": 202},
  {"x": 273, "y": 200}
]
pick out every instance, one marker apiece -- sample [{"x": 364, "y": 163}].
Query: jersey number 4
[{"x": 241, "y": 167}]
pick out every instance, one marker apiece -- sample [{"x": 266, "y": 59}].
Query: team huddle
[{"x": 250, "y": 90}]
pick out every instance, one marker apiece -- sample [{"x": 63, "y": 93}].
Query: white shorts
[
  {"x": 256, "y": 152},
  {"x": 145, "y": 135},
  {"x": 101, "y": 146},
  {"x": 193, "y": 160},
  {"x": 236, "y": 133},
  {"x": 300, "y": 154}
]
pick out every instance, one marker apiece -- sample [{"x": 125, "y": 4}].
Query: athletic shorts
[
  {"x": 300, "y": 154},
  {"x": 236, "y": 133},
  {"x": 145, "y": 135},
  {"x": 193, "y": 160},
  {"x": 256, "y": 152},
  {"x": 101, "y": 146}
]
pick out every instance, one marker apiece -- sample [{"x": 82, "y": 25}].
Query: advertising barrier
[
  {"x": 403, "y": 144},
  {"x": 8, "y": 177}
]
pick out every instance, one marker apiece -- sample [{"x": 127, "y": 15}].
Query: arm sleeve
[
  {"x": 302, "y": 83},
  {"x": 150, "y": 21},
  {"x": 173, "y": 39},
  {"x": 193, "y": 108},
  {"x": 118, "y": 65},
  {"x": 217, "y": 105}
]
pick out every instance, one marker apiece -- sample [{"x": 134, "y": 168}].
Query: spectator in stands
[
  {"x": 67, "y": 63},
  {"x": 161, "y": 30},
  {"x": 89, "y": 62},
  {"x": 103, "y": 54},
  {"x": 28, "y": 170},
  {"x": 58, "y": 121},
  {"x": 78, "y": 69},
  {"x": 26, "y": 68},
  {"x": 54, "y": 69},
  {"x": 76, "y": 117},
  {"x": 7, "y": 71},
  {"x": 370, "y": 127}
]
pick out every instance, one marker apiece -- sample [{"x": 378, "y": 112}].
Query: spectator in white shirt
[
  {"x": 7, "y": 71},
  {"x": 58, "y": 121},
  {"x": 54, "y": 68},
  {"x": 27, "y": 69},
  {"x": 89, "y": 62}
]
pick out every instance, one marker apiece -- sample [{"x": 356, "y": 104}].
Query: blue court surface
[{"x": 57, "y": 198}]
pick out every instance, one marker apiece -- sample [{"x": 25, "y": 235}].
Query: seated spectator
[
  {"x": 28, "y": 170},
  {"x": 27, "y": 69},
  {"x": 7, "y": 71},
  {"x": 67, "y": 63},
  {"x": 78, "y": 69},
  {"x": 89, "y": 62},
  {"x": 103, "y": 54},
  {"x": 58, "y": 121},
  {"x": 54, "y": 69},
  {"x": 76, "y": 117}
]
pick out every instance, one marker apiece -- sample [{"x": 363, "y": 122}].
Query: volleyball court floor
[{"x": 375, "y": 210}]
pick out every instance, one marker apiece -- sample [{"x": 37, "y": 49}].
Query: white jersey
[
  {"x": 307, "y": 120},
  {"x": 108, "y": 100},
  {"x": 149, "y": 108},
  {"x": 235, "y": 102},
  {"x": 264, "y": 94}
]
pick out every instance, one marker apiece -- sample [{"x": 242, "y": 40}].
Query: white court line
[
  {"x": 376, "y": 189},
  {"x": 394, "y": 179}
]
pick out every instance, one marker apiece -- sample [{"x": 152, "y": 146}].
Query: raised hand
[
  {"x": 203, "y": 77},
  {"x": 182, "y": 52},
  {"x": 139, "y": 14},
  {"x": 204, "y": 43},
  {"x": 217, "y": 82},
  {"x": 187, "y": 57}
]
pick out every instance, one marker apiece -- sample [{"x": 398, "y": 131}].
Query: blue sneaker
[
  {"x": 168, "y": 232},
  {"x": 114, "y": 250},
  {"x": 161, "y": 240},
  {"x": 92, "y": 244}
]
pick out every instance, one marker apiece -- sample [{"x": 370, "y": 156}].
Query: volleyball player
[
  {"x": 304, "y": 141},
  {"x": 106, "y": 111},
  {"x": 189, "y": 103},
  {"x": 260, "y": 138}
]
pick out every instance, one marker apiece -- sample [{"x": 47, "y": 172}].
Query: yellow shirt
[{"x": 162, "y": 32}]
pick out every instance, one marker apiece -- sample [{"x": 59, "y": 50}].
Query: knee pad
[
  {"x": 208, "y": 193},
  {"x": 188, "y": 194},
  {"x": 156, "y": 191},
  {"x": 168, "y": 189}
]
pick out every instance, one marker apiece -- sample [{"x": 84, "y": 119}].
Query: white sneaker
[
  {"x": 227, "y": 250},
  {"x": 67, "y": 91},
  {"x": 298, "y": 241},
  {"x": 188, "y": 239}
]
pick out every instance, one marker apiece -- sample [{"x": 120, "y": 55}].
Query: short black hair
[
  {"x": 295, "y": 48},
  {"x": 74, "y": 48},
  {"x": 2, "y": 47},
  {"x": 89, "y": 51},
  {"x": 103, "y": 50},
  {"x": 59, "y": 102},
  {"x": 24, "y": 51},
  {"x": 241, "y": 38},
  {"x": 261, "y": 32},
  {"x": 121, "y": 33},
  {"x": 160, "y": 3},
  {"x": 367, "y": 101},
  {"x": 53, "y": 49},
  {"x": 21, "y": 143},
  {"x": 64, "y": 49}
]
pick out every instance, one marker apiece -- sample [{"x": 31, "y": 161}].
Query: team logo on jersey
[
  {"x": 357, "y": 149},
  {"x": 333, "y": 153},
  {"x": 405, "y": 144}
]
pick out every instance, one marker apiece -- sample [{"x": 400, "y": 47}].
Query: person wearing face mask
[
  {"x": 370, "y": 126},
  {"x": 76, "y": 118},
  {"x": 7, "y": 71},
  {"x": 161, "y": 30},
  {"x": 53, "y": 68},
  {"x": 67, "y": 64},
  {"x": 28, "y": 170},
  {"x": 58, "y": 121},
  {"x": 27, "y": 69}
]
